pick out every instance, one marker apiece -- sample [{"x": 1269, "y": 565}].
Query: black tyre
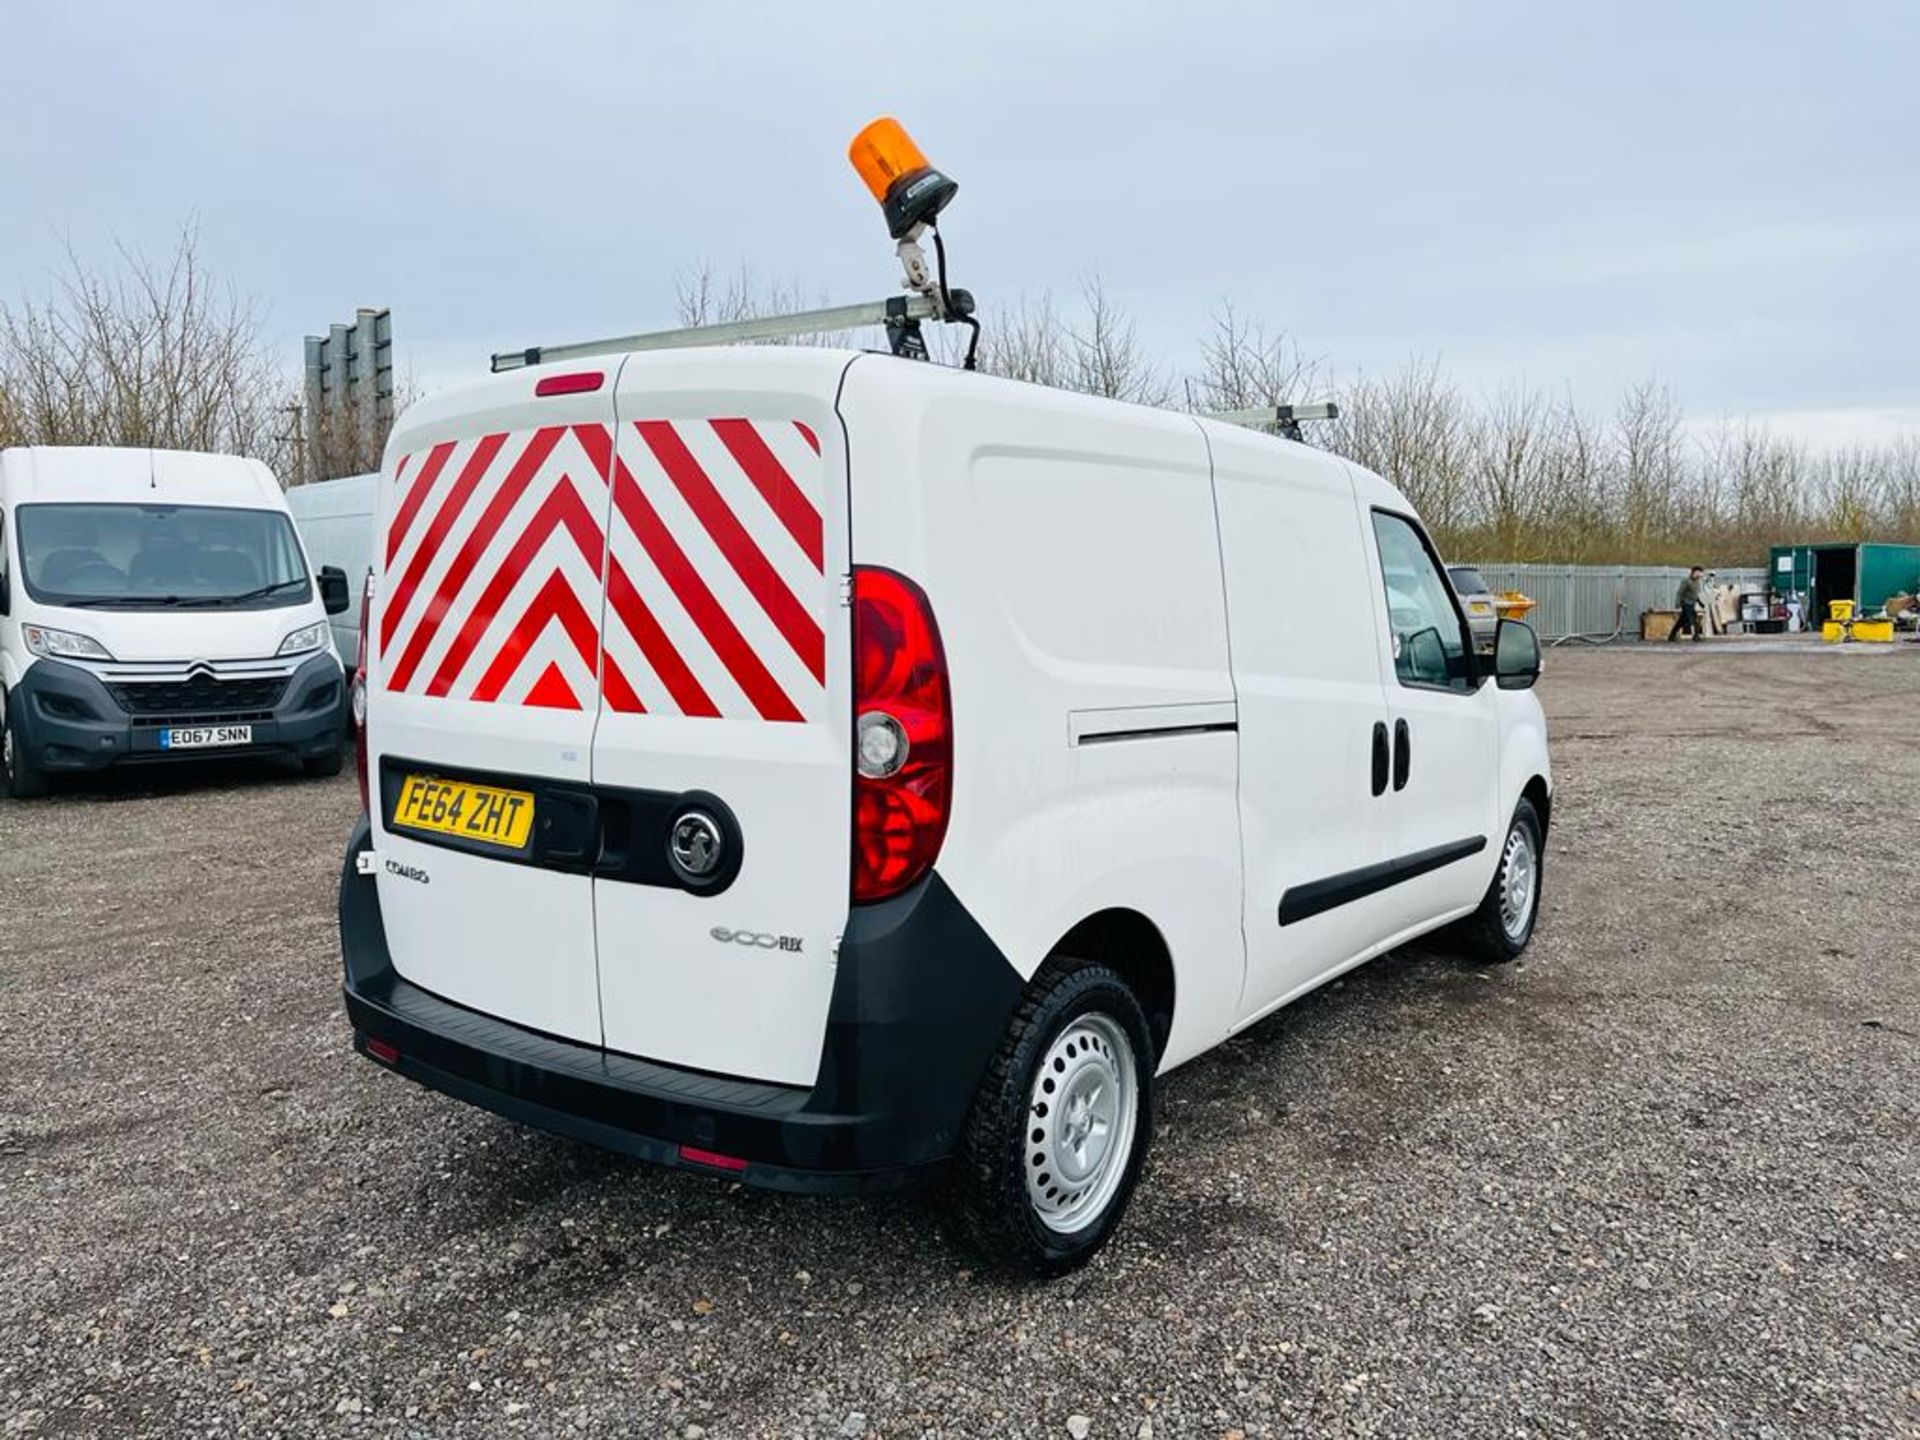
[
  {"x": 19, "y": 778},
  {"x": 1061, "y": 1124},
  {"x": 327, "y": 762},
  {"x": 1500, "y": 929}
]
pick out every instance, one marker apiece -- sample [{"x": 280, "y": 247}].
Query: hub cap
[
  {"x": 1081, "y": 1117},
  {"x": 1519, "y": 883}
]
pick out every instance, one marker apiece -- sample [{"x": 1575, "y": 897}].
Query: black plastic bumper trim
[
  {"x": 69, "y": 721},
  {"x": 921, "y": 998}
]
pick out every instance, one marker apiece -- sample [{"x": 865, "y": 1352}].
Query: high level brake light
[
  {"x": 903, "y": 727},
  {"x": 582, "y": 382}
]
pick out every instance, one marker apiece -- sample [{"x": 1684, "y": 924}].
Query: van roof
[{"x": 106, "y": 473}]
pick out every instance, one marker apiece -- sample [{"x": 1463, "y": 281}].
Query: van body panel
[
  {"x": 1307, "y": 669},
  {"x": 1068, "y": 548},
  {"x": 483, "y": 659},
  {"x": 172, "y": 663},
  {"x": 1451, "y": 798},
  {"x": 728, "y": 664},
  {"x": 335, "y": 518}
]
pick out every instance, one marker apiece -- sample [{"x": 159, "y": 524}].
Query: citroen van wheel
[
  {"x": 18, "y": 777},
  {"x": 1503, "y": 925},
  {"x": 1061, "y": 1124}
]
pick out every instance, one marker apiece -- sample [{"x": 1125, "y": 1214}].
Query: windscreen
[
  {"x": 113, "y": 556},
  {"x": 1467, "y": 580}
]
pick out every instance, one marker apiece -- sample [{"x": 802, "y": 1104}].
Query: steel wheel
[
  {"x": 1519, "y": 883},
  {"x": 1083, "y": 1107}
]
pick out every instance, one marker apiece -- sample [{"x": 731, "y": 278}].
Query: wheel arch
[
  {"x": 1540, "y": 793},
  {"x": 1131, "y": 944}
]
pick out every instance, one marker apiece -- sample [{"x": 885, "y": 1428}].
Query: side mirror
[
  {"x": 1426, "y": 656},
  {"x": 1516, "y": 655},
  {"x": 333, "y": 590},
  {"x": 6, "y": 594}
]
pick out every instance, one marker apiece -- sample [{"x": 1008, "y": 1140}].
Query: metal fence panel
[{"x": 1599, "y": 599}]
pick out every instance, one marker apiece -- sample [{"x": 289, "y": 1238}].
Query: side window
[{"x": 1429, "y": 641}]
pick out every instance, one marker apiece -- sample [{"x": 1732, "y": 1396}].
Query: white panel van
[
  {"x": 335, "y": 521},
  {"x": 832, "y": 771},
  {"x": 158, "y": 605}
]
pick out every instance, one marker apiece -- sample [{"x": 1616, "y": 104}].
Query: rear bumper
[
  {"x": 68, "y": 722},
  {"x": 921, "y": 998}
]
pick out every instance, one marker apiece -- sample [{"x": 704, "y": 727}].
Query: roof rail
[{"x": 1281, "y": 419}]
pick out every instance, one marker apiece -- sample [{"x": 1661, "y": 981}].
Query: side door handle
[
  {"x": 1402, "y": 754},
  {"x": 1381, "y": 757}
]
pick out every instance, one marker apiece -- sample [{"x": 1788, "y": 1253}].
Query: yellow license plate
[{"x": 484, "y": 813}]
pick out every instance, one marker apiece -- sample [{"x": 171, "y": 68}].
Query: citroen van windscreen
[{"x": 120, "y": 556}]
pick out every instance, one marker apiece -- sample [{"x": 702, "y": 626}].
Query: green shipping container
[{"x": 1868, "y": 574}]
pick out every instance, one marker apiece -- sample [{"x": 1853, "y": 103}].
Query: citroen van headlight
[
  {"x": 307, "y": 637},
  {"x": 62, "y": 644}
]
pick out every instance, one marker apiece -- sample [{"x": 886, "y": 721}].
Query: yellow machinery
[
  {"x": 1843, "y": 627},
  {"x": 1513, "y": 605}
]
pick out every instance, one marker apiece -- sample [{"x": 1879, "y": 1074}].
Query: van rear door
[
  {"x": 725, "y": 724},
  {"x": 483, "y": 675}
]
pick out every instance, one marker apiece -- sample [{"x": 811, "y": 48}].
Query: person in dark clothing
[{"x": 1687, "y": 601}]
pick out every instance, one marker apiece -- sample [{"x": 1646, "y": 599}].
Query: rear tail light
[
  {"x": 903, "y": 735},
  {"x": 357, "y": 693}
]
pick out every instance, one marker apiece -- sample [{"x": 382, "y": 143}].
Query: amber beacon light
[{"x": 910, "y": 191}]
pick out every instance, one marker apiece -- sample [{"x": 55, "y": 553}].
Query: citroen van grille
[{"x": 200, "y": 695}]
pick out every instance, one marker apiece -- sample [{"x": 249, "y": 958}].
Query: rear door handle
[
  {"x": 1381, "y": 757},
  {"x": 1402, "y": 754}
]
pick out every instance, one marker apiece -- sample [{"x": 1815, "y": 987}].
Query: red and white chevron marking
[{"x": 712, "y": 576}]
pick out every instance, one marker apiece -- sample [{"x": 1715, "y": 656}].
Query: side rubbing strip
[{"x": 1302, "y": 902}]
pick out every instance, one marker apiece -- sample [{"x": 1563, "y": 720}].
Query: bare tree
[
  {"x": 1026, "y": 342},
  {"x": 151, "y": 352},
  {"x": 1104, "y": 355},
  {"x": 1652, "y": 481},
  {"x": 1415, "y": 429},
  {"x": 340, "y": 441},
  {"x": 702, "y": 297},
  {"x": 1850, "y": 482},
  {"x": 1242, "y": 365}
]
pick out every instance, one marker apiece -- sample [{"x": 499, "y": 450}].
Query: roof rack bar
[
  {"x": 1276, "y": 416},
  {"x": 899, "y": 310},
  {"x": 1282, "y": 420}
]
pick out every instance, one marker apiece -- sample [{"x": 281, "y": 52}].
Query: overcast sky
[{"x": 1725, "y": 197}]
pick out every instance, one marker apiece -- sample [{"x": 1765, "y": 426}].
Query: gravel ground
[{"x": 1663, "y": 1176}]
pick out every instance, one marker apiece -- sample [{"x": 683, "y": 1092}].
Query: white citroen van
[
  {"x": 157, "y": 605},
  {"x": 830, "y": 770}
]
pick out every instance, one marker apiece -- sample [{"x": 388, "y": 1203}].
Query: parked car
[
  {"x": 1483, "y": 610},
  {"x": 831, "y": 771},
  {"x": 157, "y": 605}
]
